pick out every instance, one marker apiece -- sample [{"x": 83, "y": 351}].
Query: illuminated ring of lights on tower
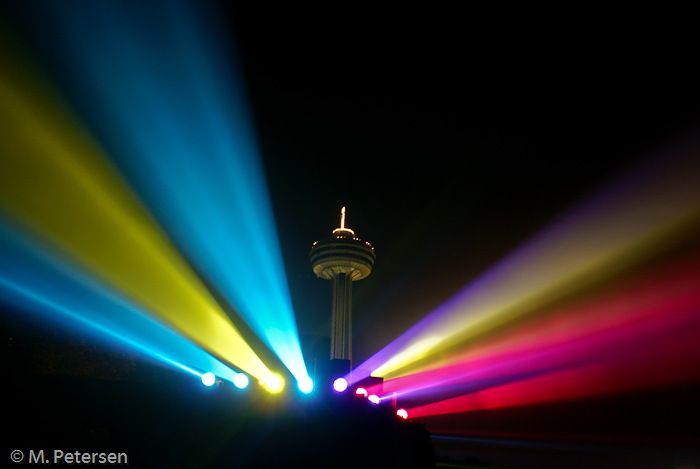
[{"x": 343, "y": 259}]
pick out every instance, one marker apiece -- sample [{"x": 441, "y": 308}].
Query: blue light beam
[
  {"x": 37, "y": 281},
  {"x": 157, "y": 84}
]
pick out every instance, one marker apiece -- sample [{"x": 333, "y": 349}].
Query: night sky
[{"x": 450, "y": 136}]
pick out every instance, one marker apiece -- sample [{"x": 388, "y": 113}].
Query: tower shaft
[
  {"x": 341, "y": 318},
  {"x": 343, "y": 259}
]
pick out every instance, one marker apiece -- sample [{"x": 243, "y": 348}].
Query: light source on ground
[
  {"x": 361, "y": 392},
  {"x": 208, "y": 379},
  {"x": 373, "y": 398},
  {"x": 305, "y": 385},
  {"x": 273, "y": 383},
  {"x": 340, "y": 384},
  {"x": 402, "y": 413},
  {"x": 241, "y": 381}
]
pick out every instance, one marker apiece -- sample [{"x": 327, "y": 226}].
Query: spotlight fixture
[
  {"x": 340, "y": 384},
  {"x": 208, "y": 378},
  {"x": 241, "y": 381},
  {"x": 273, "y": 383},
  {"x": 305, "y": 385}
]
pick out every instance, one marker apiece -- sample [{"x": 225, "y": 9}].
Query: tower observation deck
[{"x": 343, "y": 258}]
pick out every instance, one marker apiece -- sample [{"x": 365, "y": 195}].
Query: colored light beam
[
  {"x": 39, "y": 282},
  {"x": 56, "y": 181},
  {"x": 169, "y": 107},
  {"x": 636, "y": 336},
  {"x": 627, "y": 223}
]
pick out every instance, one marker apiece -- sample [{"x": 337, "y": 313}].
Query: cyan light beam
[
  {"x": 157, "y": 84},
  {"x": 56, "y": 182},
  {"x": 40, "y": 282}
]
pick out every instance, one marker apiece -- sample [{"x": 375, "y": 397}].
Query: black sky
[{"x": 451, "y": 136}]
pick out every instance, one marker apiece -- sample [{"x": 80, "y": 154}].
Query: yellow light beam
[
  {"x": 630, "y": 223},
  {"x": 56, "y": 180}
]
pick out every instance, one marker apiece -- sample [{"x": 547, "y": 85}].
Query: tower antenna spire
[
  {"x": 344, "y": 259},
  {"x": 342, "y": 231}
]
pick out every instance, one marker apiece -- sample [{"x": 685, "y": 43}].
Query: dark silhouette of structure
[{"x": 343, "y": 258}]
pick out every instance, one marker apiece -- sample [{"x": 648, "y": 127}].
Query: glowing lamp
[
  {"x": 305, "y": 385},
  {"x": 402, "y": 413},
  {"x": 373, "y": 398},
  {"x": 241, "y": 381},
  {"x": 340, "y": 384},
  {"x": 208, "y": 378},
  {"x": 273, "y": 383},
  {"x": 361, "y": 392}
]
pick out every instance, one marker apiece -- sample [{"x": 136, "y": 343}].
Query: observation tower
[{"x": 343, "y": 258}]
